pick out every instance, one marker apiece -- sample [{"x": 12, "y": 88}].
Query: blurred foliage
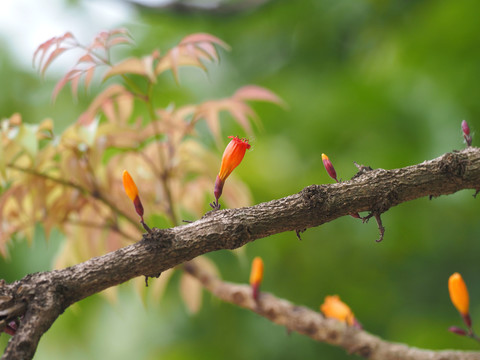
[{"x": 383, "y": 83}]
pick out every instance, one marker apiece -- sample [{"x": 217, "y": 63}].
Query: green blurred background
[{"x": 383, "y": 83}]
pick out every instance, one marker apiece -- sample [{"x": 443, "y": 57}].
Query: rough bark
[
  {"x": 44, "y": 296},
  {"x": 314, "y": 325}
]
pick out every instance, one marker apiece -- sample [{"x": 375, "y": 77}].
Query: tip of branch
[{"x": 298, "y": 232}]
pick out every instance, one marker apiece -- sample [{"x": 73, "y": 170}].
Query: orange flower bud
[
  {"x": 329, "y": 167},
  {"x": 458, "y": 293},
  {"x": 129, "y": 185},
  {"x": 256, "y": 276},
  {"x": 232, "y": 157},
  {"x": 132, "y": 192},
  {"x": 335, "y": 308}
]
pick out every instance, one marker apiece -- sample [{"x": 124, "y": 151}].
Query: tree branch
[
  {"x": 46, "y": 295},
  {"x": 314, "y": 325}
]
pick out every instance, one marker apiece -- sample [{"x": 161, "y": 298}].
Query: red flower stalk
[
  {"x": 329, "y": 167},
  {"x": 232, "y": 157},
  {"x": 466, "y": 133},
  {"x": 457, "y": 330},
  {"x": 256, "y": 276},
  {"x": 132, "y": 193}
]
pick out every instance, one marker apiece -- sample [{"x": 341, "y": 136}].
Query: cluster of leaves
[{"x": 71, "y": 181}]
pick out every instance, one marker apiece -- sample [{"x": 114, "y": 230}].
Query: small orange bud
[
  {"x": 232, "y": 157},
  {"x": 256, "y": 276},
  {"x": 329, "y": 167},
  {"x": 458, "y": 293},
  {"x": 335, "y": 308},
  {"x": 129, "y": 185},
  {"x": 132, "y": 193}
]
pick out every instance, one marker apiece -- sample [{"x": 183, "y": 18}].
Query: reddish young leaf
[
  {"x": 174, "y": 55},
  {"x": 63, "y": 81},
  {"x": 87, "y": 58},
  {"x": 53, "y": 55},
  {"x": 241, "y": 112},
  {"x": 74, "y": 84},
  {"x": 140, "y": 66},
  {"x": 118, "y": 41},
  {"x": 253, "y": 92},
  {"x": 209, "y": 49},
  {"x": 88, "y": 76},
  {"x": 190, "y": 52},
  {"x": 44, "y": 48},
  {"x": 204, "y": 38},
  {"x": 110, "y": 93}
]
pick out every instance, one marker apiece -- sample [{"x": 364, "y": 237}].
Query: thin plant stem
[
  {"x": 97, "y": 195},
  {"x": 165, "y": 173}
]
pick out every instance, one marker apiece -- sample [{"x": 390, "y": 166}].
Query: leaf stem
[{"x": 165, "y": 172}]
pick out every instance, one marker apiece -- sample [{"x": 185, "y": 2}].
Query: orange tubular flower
[
  {"x": 132, "y": 193},
  {"x": 232, "y": 157},
  {"x": 256, "y": 276},
  {"x": 335, "y": 308},
  {"x": 459, "y": 296}
]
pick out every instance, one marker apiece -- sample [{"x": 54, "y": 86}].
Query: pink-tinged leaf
[
  {"x": 253, "y": 92},
  {"x": 128, "y": 66},
  {"x": 108, "y": 109},
  {"x": 74, "y": 84},
  {"x": 106, "y": 39},
  {"x": 241, "y": 112},
  {"x": 44, "y": 47},
  {"x": 166, "y": 63},
  {"x": 125, "y": 104},
  {"x": 54, "y": 54},
  {"x": 204, "y": 37},
  {"x": 174, "y": 55},
  {"x": 88, "y": 76},
  {"x": 209, "y": 49},
  {"x": 118, "y": 41},
  {"x": 87, "y": 58},
  {"x": 97, "y": 44},
  {"x": 67, "y": 35},
  {"x": 86, "y": 118},
  {"x": 108, "y": 94},
  {"x": 103, "y": 35},
  {"x": 213, "y": 121},
  {"x": 120, "y": 31},
  {"x": 190, "y": 50},
  {"x": 148, "y": 66},
  {"x": 62, "y": 82}
]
